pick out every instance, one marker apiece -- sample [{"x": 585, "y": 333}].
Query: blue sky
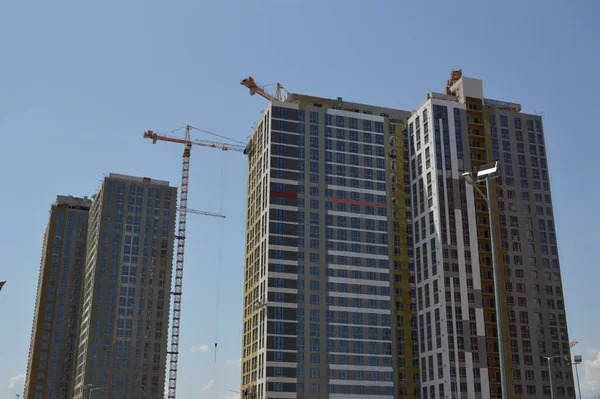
[{"x": 81, "y": 81}]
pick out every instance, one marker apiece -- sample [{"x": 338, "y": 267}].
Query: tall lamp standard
[
  {"x": 488, "y": 175},
  {"x": 577, "y": 361},
  {"x": 548, "y": 358}
]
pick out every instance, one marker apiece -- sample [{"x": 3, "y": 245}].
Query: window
[
  {"x": 314, "y": 117},
  {"x": 518, "y": 123},
  {"x": 522, "y": 301}
]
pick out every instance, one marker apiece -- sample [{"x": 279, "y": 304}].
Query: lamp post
[
  {"x": 548, "y": 358},
  {"x": 577, "y": 361},
  {"x": 488, "y": 175}
]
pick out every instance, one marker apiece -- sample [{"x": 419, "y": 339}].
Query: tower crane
[
  {"x": 183, "y": 210},
  {"x": 254, "y": 88}
]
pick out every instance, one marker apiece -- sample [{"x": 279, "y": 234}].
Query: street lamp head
[
  {"x": 469, "y": 178},
  {"x": 490, "y": 173}
]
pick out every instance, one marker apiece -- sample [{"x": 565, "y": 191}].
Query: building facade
[
  {"x": 461, "y": 131},
  {"x": 122, "y": 344},
  {"x": 52, "y": 353},
  {"x": 326, "y": 278},
  {"x": 368, "y": 269},
  {"x": 452, "y": 338}
]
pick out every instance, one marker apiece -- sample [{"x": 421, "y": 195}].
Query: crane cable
[
  {"x": 219, "y": 260},
  {"x": 207, "y": 132}
]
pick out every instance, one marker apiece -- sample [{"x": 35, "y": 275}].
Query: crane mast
[
  {"x": 177, "y": 292},
  {"x": 181, "y": 229}
]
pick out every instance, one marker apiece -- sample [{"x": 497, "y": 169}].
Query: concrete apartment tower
[
  {"x": 52, "y": 353},
  {"x": 461, "y": 131},
  {"x": 327, "y": 268},
  {"x": 122, "y": 344}
]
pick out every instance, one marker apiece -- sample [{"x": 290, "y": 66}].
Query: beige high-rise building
[
  {"x": 52, "y": 352},
  {"x": 122, "y": 345},
  {"x": 328, "y": 310}
]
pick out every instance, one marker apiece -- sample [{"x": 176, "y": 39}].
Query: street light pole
[
  {"x": 499, "y": 321},
  {"x": 578, "y": 361},
  {"x": 548, "y": 358},
  {"x": 488, "y": 175},
  {"x": 578, "y": 387}
]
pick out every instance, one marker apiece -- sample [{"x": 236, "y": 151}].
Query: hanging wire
[
  {"x": 179, "y": 128},
  {"x": 219, "y": 259}
]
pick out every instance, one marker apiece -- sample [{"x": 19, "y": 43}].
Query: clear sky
[{"x": 81, "y": 81}]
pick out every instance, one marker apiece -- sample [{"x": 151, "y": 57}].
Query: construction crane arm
[
  {"x": 254, "y": 88},
  {"x": 204, "y": 143},
  {"x": 205, "y": 213}
]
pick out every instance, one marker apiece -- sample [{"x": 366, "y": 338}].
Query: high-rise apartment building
[
  {"x": 326, "y": 253},
  {"x": 122, "y": 344},
  {"x": 368, "y": 259},
  {"x": 52, "y": 353},
  {"x": 461, "y": 131}
]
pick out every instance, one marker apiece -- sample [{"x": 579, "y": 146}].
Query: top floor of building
[
  {"x": 136, "y": 179},
  {"x": 69, "y": 201}
]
